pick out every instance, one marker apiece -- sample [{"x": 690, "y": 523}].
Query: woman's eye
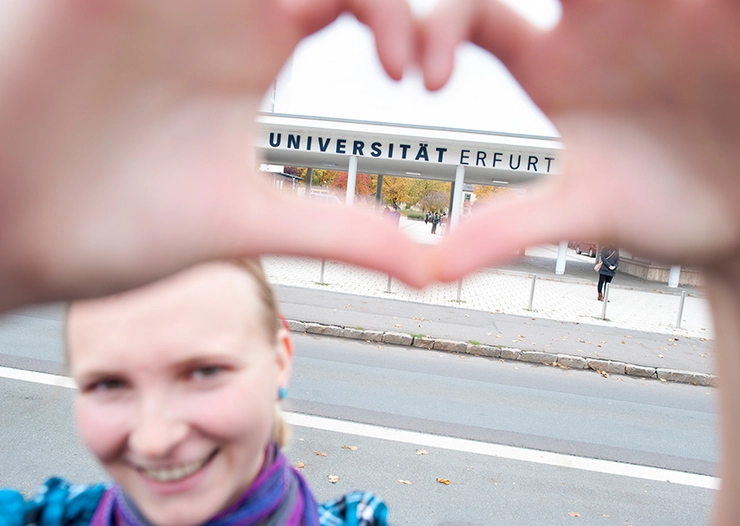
[
  {"x": 206, "y": 372},
  {"x": 107, "y": 385}
]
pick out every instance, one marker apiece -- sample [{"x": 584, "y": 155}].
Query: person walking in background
[
  {"x": 395, "y": 215},
  {"x": 435, "y": 222},
  {"x": 607, "y": 267}
]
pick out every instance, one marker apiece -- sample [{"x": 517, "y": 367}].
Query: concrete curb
[{"x": 564, "y": 361}]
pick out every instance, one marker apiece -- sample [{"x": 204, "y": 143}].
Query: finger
[
  {"x": 487, "y": 23},
  {"x": 300, "y": 227},
  {"x": 494, "y": 234},
  {"x": 393, "y": 25},
  {"x": 390, "y": 20}
]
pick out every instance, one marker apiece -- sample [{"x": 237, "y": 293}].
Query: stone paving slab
[{"x": 508, "y": 292}]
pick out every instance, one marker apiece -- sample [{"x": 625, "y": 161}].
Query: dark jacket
[{"x": 609, "y": 258}]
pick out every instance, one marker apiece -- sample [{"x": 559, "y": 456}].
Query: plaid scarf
[{"x": 278, "y": 496}]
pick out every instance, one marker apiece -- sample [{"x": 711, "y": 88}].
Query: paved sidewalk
[
  {"x": 634, "y": 303},
  {"x": 640, "y": 328}
]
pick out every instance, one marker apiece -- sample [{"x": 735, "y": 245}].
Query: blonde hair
[{"x": 273, "y": 323}]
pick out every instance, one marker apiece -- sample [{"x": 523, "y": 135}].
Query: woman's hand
[
  {"x": 646, "y": 97},
  {"x": 126, "y": 142}
]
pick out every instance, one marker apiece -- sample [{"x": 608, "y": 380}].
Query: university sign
[
  {"x": 406, "y": 151},
  {"x": 466, "y": 157}
]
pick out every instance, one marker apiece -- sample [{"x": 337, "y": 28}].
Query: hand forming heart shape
[
  {"x": 127, "y": 125},
  {"x": 125, "y": 130}
]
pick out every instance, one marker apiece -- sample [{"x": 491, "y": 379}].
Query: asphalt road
[{"x": 435, "y": 395}]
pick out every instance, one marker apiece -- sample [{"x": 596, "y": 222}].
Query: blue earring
[{"x": 282, "y": 392}]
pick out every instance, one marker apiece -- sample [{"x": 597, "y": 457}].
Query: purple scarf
[{"x": 278, "y": 496}]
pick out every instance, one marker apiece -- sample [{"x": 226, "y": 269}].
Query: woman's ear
[{"x": 284, "y": 357}]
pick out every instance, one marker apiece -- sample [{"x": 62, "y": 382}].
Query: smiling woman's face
[{"x": 178, "y": 383}]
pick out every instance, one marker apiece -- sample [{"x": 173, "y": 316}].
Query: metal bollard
[
  {"x": 323, "y": 266},
  {"x": 531, "y": 294},
  {"x": 388, "y": 290},
  {"x": 680, "y": 309},
  {"x": 459, "y": 290},
  {"x": 606, "y": 301}
]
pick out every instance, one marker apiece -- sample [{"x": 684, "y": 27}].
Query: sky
[{"x": 335, "y": 73}]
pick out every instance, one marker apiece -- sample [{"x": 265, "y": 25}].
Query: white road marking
[
  {"x": 37, "y": 378},
  {"x": 507, "y": 452},
  {"x": 443, "y": 442}
]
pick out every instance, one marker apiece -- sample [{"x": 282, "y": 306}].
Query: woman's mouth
[{"x": 175, "y": 473}]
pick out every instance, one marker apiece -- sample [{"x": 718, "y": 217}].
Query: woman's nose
[{"x": 156, "y": 430}]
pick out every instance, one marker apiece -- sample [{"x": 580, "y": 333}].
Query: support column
[
  {"x": 562, "y": 254},
  {"x": 309, "y": 181},
  {"x": 379, "y": 192},
  {"x": 674, "y": 276},
  {"x": 457, "y": 194},
  {"x": 351, "y": 180}
]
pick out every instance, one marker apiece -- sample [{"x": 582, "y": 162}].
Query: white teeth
[{"x": 175, "y": 473}]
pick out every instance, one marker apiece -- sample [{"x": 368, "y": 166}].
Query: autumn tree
[
  {"x": 486, "y": 193},
  {"x": 363, "y": 185},
  {"x": 321, "y": 177},
  {"x": 396, "y": 190},
  {"x": 419, "y": 189},
  {"x": 297, "y": 172},
  {"x": 435, "y": 201}
]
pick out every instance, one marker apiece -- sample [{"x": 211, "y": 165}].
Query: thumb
[
  {"x": 295, "y": 226},
  {"x": 495, "y": 232}
]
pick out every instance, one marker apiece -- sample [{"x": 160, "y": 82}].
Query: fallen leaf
[
  {"x": 407, "y": 482},
  {"x": 422, "y": 452},
  {"x": 574, "y": 514},
  {"x": 351, "y": 448},
  {"x": 397, "y": 325},
  {"x": 446, "y": 482},
  {"x": 333, "y": 479},
  {"x": 300, "y": 465},
  {"x": 319, "y": 453}
]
